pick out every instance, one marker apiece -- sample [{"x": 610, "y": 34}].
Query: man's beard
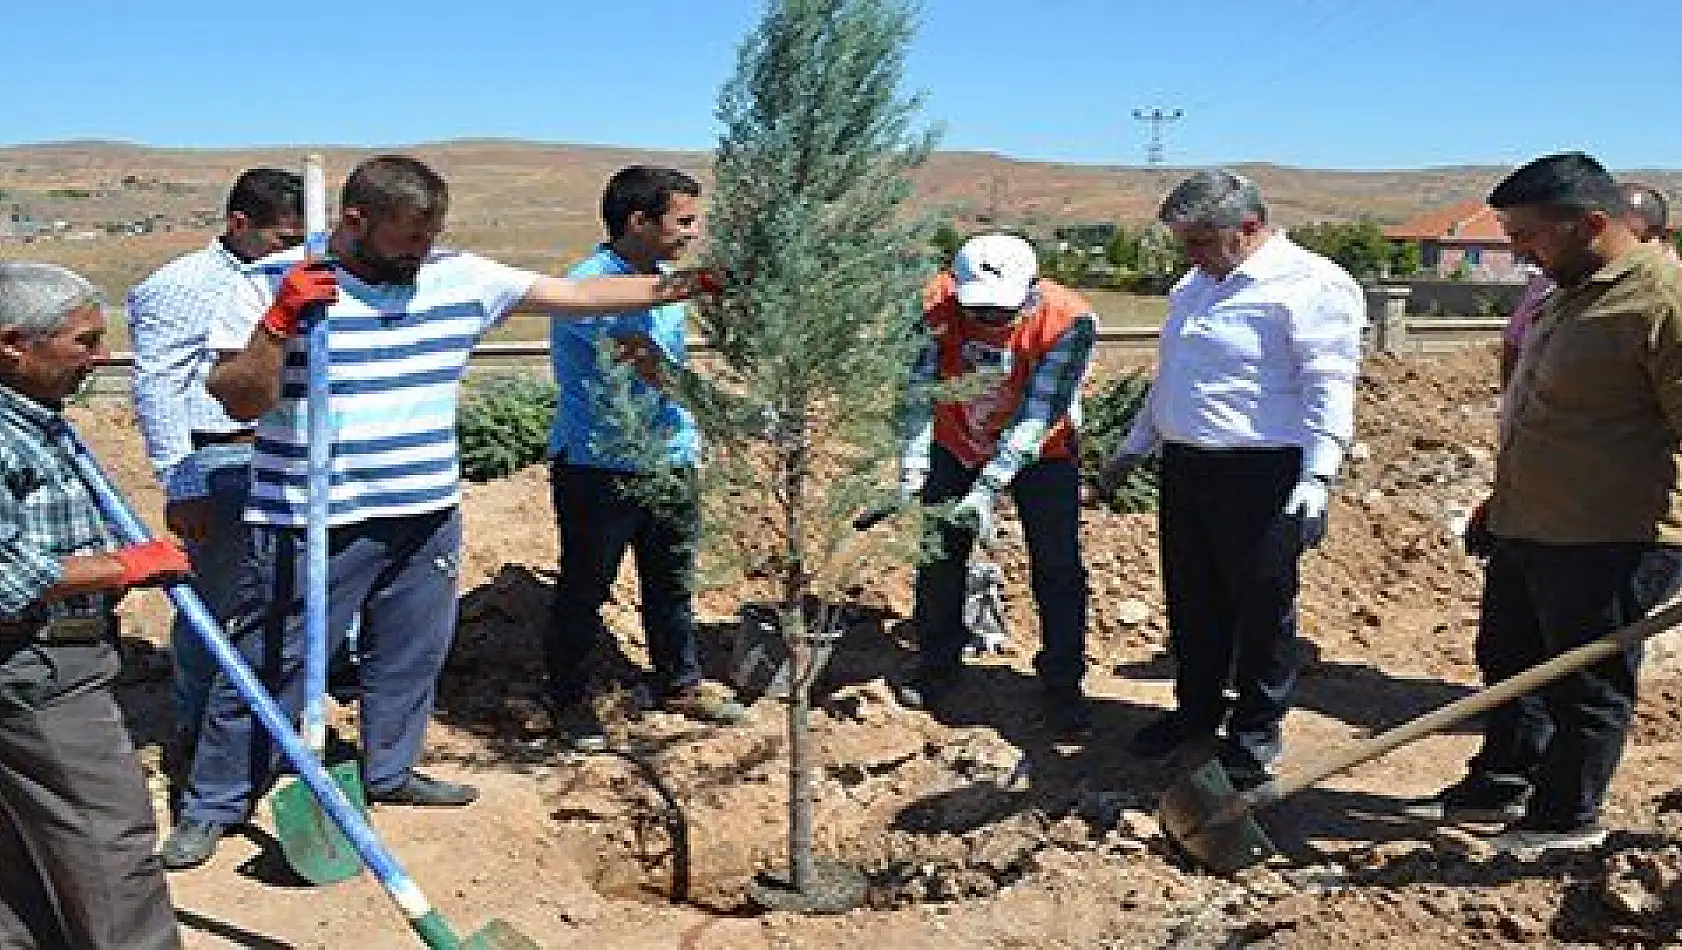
[{"x": 377, "y": 268}]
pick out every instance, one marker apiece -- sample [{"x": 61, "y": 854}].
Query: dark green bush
[
  {"x": 1109, "y": 416},
  {"x": 503, "y": 425}
]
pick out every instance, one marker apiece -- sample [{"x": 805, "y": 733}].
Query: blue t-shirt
[{"x": 580, "y": 429}]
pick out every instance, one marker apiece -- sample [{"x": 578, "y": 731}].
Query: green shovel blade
[
  {"x": 314, "y": 846},
  {"x": 499, "y": 935}
]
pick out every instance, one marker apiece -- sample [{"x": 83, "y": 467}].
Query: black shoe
[
  {"x": 1067, "y": 714},
  {"x": 1477, "y": 798},
  {"x": 1168, "y": 733},
  {"x": 420, "y": 789},
  {"x": 926, "y": 689},
  {"x": 1247, "y": 766},
  {"x": 190, "y": 844}
]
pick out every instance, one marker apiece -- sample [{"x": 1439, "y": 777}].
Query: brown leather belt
[
  {"x": 59, "y": 629},
  {"x": 206, "y": 439}
]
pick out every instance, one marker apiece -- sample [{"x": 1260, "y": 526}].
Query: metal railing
[{"x": 1426, "y": 335}]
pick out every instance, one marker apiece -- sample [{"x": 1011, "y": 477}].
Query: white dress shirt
[{"x": 1266, "y": 358}]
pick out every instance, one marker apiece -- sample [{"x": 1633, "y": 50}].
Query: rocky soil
[{"x": 976, "y": 831}]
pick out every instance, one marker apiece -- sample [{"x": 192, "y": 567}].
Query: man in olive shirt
[{"x": 1586, "y": 512}]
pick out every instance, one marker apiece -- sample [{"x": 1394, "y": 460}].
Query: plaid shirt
[{"x": 46, "y": 514}]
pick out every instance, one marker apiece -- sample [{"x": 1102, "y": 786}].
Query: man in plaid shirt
[
  {"x": 76, "y": 826},
  {"x": 1030, "y": 340}
]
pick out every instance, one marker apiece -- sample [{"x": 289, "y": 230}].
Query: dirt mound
[{"x": 977, "y": 830}]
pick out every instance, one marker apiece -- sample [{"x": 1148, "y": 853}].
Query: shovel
[
  {"x": 1216, "y": 825},
  {"x": 313, "y": 846},
  {"x": 426, "y": 921}
]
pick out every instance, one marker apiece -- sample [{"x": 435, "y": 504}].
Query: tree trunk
[
  {"x": 799, "y": 755},
  {"x": 800, "y": 665}
]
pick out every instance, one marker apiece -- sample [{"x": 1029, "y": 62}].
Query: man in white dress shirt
[{"x": 1252, "y": 410}]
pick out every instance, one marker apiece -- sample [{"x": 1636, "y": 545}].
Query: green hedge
[{"x": 503, "y": 425}]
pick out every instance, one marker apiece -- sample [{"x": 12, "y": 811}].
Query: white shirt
[
  {"x": 397, "y": 355},
  {"x": 1266, "y": 358}
]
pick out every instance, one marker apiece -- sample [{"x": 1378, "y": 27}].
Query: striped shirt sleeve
[{"x": 1051, "y": 391}]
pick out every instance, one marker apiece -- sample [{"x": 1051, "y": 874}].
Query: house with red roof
[{"x": 1462, "y": 240}]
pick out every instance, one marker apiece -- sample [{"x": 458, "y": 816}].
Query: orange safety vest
[{"x": 971, "y": 429}]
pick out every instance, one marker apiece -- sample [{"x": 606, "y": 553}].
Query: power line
[{"x": 1156, "y": 119}]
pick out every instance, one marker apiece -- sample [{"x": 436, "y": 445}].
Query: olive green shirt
[{"x": 1591, "y": 448}]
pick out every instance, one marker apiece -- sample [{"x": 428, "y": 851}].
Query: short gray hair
[
  {"x": 1217, "y": 197},
  {"x": 38, "y": 298}
]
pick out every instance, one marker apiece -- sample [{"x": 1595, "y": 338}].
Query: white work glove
[
  {"x": 911, "y": 482},
  {"x": 1307, "y": 503},
  {"x": 976, "y": 508}
]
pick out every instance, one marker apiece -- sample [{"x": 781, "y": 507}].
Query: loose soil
[{"x": 976, "y": 831}]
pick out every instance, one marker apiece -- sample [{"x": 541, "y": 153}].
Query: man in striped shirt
[
  {"x": 201, "y": 455},
  {"x": 404, "y": 318},
  {"x": 1029, "y": 340}
]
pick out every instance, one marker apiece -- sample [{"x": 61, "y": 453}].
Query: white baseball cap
[{"x": 995, "y": 270}]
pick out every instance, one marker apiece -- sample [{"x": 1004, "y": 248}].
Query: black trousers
[
  {"x": 77, "y": 868},
  {"x": 598, "y": 520},
  {"x": 1047, "y": 496},
  {"x": 1541, "y": 600},
  {"x": 1231, "y": 588}
]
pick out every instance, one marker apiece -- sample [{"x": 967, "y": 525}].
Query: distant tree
[
  {"x": 946, "y": 240},
  {"x": 1360, "y": 247},
  {"x": 1123, "y": 250},
  {"x": 1407, "y": 258}
]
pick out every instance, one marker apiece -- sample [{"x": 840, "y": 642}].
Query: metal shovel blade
[
  {"x": 1212, "y": 822},
  {"x": 313, "y": 844},
  {"x": 499, "y": 935}
]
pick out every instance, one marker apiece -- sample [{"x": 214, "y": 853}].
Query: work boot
[
  {"x": 1530, "y": 837},
  {"x": 705, "y": 702},
  {"x": 1166, "y": 734},
  {"x": 1478, "y": 798},
  {"x": 190, "y": 844},
  {"x": 419, "y": 789},
  {"x": 926, "y": 689}
]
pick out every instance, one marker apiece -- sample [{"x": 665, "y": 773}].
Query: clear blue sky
[{"x": 1323, "y": 83}]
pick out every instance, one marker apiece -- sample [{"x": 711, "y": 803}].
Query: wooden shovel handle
[{"x": 1354, "y": 754}]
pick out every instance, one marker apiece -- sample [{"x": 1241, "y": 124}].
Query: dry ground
[{"x": 977, "y": 831}]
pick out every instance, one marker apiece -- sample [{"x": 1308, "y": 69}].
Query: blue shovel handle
[{"x": 422, "y": 917}]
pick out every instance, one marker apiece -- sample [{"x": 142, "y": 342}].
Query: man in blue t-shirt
[{"x": 651, "y": 215}]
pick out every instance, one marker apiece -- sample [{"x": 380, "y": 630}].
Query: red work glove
[
  {"x": 306, "y": 285},
  {"x": 152, "y": 563},
  {"x": 710, "y": 282}
]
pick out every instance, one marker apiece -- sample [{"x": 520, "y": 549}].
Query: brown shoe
[{"x": 705, "y": 702}]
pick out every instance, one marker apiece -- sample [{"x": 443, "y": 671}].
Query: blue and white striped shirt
[
  {"x": 168, "y": 318},
  {"x": 398, "y": 354}
]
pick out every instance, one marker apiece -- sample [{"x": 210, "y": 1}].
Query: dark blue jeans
[
  {"x": 598, "y": 520},
  {"x": 1231, "y": 592},
  {"x": 216, "y": 562},
  {"x": 1047, "y": 495},
  {"x": 1542, "y": 600},
  {"x": 400, "y": 574}
]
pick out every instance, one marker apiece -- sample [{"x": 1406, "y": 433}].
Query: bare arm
[
  {"x": 247, "y": 383},
  {"x": 85, "y": 574},
  {"x": 562, "y": 297}
]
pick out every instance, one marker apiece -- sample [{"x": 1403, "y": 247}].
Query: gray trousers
[{"x": 77, "y": 868}]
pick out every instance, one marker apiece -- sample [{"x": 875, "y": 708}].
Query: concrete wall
[{"x": 1434, "y": 296}]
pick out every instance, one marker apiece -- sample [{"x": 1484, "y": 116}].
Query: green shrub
[
  {"x": 1109, "y": 416},
  {"x": 504, "y": 425}
]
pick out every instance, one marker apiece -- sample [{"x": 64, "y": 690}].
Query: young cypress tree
[{"x": 801, "y": 411}]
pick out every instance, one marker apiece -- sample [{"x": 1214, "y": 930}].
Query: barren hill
[{"x": 535, "y": 203}]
